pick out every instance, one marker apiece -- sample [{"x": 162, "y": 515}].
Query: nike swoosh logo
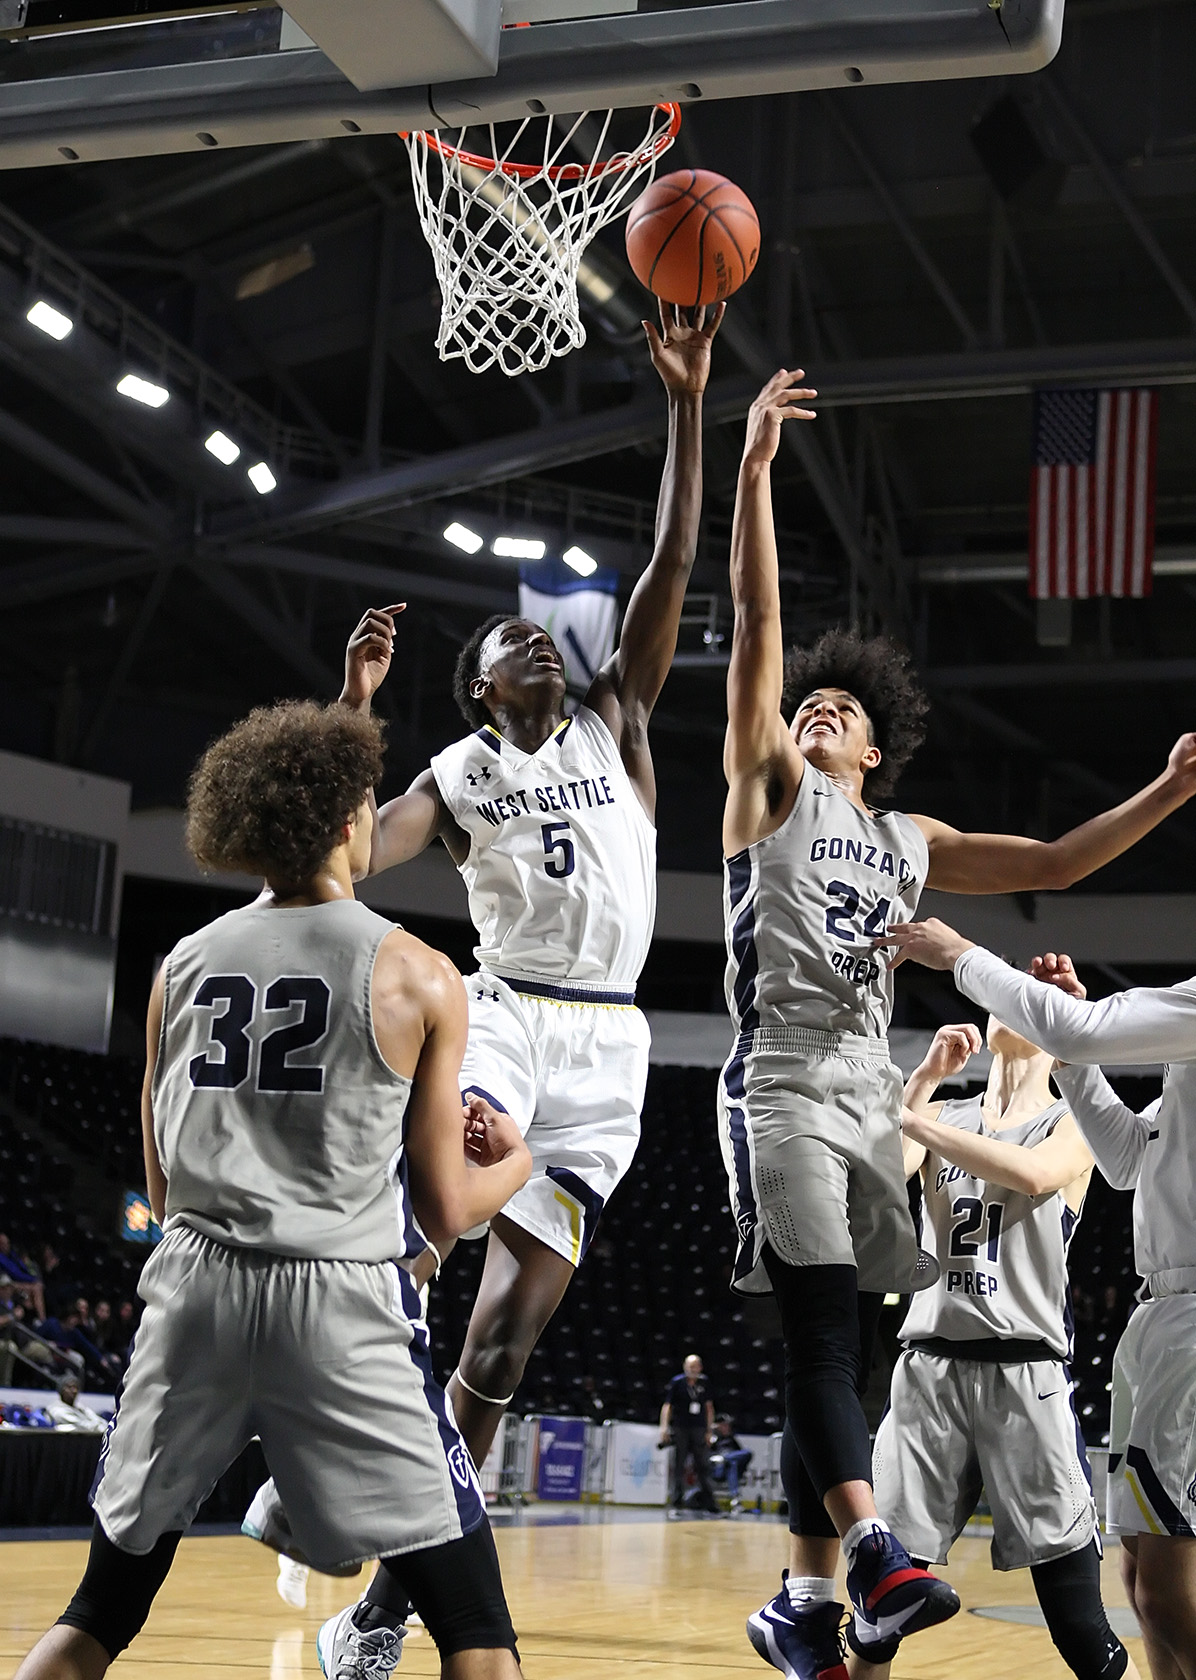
[
  {"x": 821, "y": 793},
  {"x": 1048, "y": 1396}
]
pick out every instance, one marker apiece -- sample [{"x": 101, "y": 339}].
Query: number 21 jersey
[
  {"x": 561, "y": 868},
  {"x": 803, "y": 905}
]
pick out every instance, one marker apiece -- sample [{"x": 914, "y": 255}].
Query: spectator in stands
[
  {"x": 27, "y": 1285},
  {"x": 86, "y": 1322},
  {"x": 19, "y": 1342},
  {"x": 728, "y": 1459},
  {"x": 105, "y": 1331},
  {"x": 64, "y": 1332},
  {"x": 687, "y": 1422},
  {"x": 126, "y": 1329},
  {"x": 68, "y": 1414}
]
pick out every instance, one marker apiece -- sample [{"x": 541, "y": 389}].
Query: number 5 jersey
[{"x": 803, "y": 906}]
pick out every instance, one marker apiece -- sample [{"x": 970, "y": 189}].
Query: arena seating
[{"x": 653, "y": 1288}]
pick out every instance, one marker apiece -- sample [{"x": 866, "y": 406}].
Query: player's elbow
[{"x": 1058, "y": 870}]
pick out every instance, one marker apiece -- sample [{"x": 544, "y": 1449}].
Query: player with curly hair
[{"x": 809, "y": 1101}]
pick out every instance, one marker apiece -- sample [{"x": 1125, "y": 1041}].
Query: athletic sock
[
  {"x": 806, "y": 1592},
  {"x": 860, "y": 1531},
  {"x": 367, "y": 1617}
]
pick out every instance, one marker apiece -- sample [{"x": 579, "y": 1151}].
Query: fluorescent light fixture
[
  {"x": 50, "y": 320},
  {"x": 583, "y": 564},
  {"x": 518, "y": 548},
  {"x": 223, "y": 448},
  {"x": 462, "y": 537},
  {"x": 143, "y": 391},
  {"x": 262, "y": 479}
]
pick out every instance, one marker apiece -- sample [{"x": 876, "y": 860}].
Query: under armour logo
[
  {"x": 485, "y": 776},
  {"x": 484, "y": 994}
]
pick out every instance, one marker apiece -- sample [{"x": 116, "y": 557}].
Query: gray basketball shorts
[
  {"x": 325, "y": 1360},
  {"x": 956, "y": 1425},
  {"x": 810, "y": 1128},
  {"x": 1152, "y": 1429}
]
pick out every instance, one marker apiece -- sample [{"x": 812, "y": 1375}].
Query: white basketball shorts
[
  {"x": 570, "y": 1064},
  {"x": 810, "y": 1127},
  {"x": 1152, "y": 1426},
  {"x": 325, "y": 1360},
  {"x": 956, "y": 1425}
]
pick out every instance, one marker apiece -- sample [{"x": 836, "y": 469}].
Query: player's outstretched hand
[
  {"x": 951, "y": 1049},
  {"x": 681, "y": 349},
  {"x": 367, "y": 657},
  {"x": 1057, "y": 970},
  {"x": 931, "y": 943},
  {"x": 1181, "y": 764},
  {"x": 492, "y": 1136},
  {"x": 779, "y": 401}
]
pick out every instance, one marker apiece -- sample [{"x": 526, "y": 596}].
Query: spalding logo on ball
[{"x": 693, "y": 237}]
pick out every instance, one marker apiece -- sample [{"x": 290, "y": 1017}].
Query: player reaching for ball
[
  {"x": 809, "y": 1101},
  {"x": 981, "y": 1396}
]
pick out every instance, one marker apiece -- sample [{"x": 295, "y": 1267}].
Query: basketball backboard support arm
[{"x": 738, "y": 49}]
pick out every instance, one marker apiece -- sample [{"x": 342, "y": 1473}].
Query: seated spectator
[
  {"x": 105, "y": 1331},
  {"x": 26, "y": 1284},
  {"x": 86, "y": 1322},
  {"x": 68, "y": 1414},
  {"x": 728, "y": 1459},
  {"x": 126, "y": 1328},
  {"x": 17, "y": 1341},
  {"x": 64, "y": 1332}
]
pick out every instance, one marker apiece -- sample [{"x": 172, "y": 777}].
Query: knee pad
[
  {"x": 114, "y": 1597},
  {"x": 458, "y": 1592},
  {"x": 1068, "y": 1590}
]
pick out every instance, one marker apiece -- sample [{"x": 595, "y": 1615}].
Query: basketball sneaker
[
  {"x": 891, "y": 1595},
  {"x": 347, "y": 1652},
  {"x": 292, "y": 1582},
  {"x": 803, "y": 1644}
]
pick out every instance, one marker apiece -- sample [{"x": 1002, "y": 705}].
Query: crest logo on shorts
[
  {"x": 461, "y": 1466},
  {"x": 746, "y": 1223}
]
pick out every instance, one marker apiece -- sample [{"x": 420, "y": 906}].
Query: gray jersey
[
  {"x": 803, "y": 906},
  {"x": 278, "y": 1124},
  {"x": 1003, "y": 1254}
]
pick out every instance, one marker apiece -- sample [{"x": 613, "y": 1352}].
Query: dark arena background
[{"x": 934, "y": 253}]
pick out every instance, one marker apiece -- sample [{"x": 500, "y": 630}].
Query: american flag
[{"x": 1092, "y": 493}]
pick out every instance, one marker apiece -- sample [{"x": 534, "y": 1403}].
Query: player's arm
[
  {"x": 666, "y": 1420},
  {"x": 451, "y": 1194},
  {"x": 1116, "y": 1135},
  {"x": 761, "y": 761},
  {"x": 626, "y": 689},
  {"x": 999, "y": 863},
  {"x": 155, "y": 1177},
  {"x": 1037, "y": 1169}
]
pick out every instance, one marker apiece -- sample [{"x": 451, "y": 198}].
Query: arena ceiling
[{"x": 286, "y": 291}]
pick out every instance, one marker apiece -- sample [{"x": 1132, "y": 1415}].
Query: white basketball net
[{"x": 509, "y": 237}]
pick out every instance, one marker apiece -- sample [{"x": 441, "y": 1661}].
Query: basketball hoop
[{"x": 509, "y": 237}]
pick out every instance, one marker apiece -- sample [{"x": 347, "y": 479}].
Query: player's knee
[
  {"x": 1069, "y": 1593},
  {"x": 114, "y": 1597},
  {"x": 457, "y": 1589},
  {"x": 496, "y": 1353},
  {"x": 1162, "y": 1610}
]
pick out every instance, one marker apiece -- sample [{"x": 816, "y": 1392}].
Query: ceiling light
[
  {"x": 223, "y": 448},
  {"x": 50, "y": 320},
  {"x": 582, "y": 563},
  {"x": 262, "y": 479},
  {"x": 518, "y": 548},
  {"x": 462, "y": 537},
  {"x": 143, "y": 391}
]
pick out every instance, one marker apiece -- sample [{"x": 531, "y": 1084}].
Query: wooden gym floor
[{"x": 612, "y": 1600}]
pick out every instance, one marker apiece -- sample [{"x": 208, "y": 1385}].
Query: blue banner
[{"x": 562, "y": 1458}]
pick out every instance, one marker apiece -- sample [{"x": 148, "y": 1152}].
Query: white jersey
[
  {"x": 803, "y": 906},
  {"x": 1003, "y": 1253},
  {"x": 278, "y": 1123},
  {"x": 1154, "y": 1152},
  {"x": 561, "y": 868}
]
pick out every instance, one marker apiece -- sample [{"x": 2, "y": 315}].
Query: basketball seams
[
  {"x": 668, "y": 239},
  {"x": 686, "y": 260}
]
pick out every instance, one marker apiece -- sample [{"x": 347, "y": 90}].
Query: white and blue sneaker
[
  {"x": 348, "y": 1653},
  {"x": 891, "y": 1595},
  {"x": 803, "y": 1644}
]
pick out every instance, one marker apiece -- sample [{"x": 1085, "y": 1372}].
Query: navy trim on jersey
[
  {"x": 1171, "y": 1518},
  {"x": 478, "y": 1091},
  {"x": 743, "y": 942},
  {"x": 568, "y": 994},
  {"x": 1081, "y": 1444},
  {"x": 471, "y": 1509},
  {"x": 491, "y": 737},
  {"x": 747, "y": 1218},
  {"x": 591, "y": 1202}
]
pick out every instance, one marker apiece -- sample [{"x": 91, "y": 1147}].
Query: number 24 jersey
[
  {"x": 561, "y": 868},
  {"x": 803, "y": 906}
]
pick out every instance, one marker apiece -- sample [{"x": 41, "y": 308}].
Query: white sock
[
  {"x": 807, "y": 1591},
  {"x": 858, "y": 1531}
]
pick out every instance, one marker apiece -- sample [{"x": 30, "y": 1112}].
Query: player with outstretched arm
[
  {"x": 809, "y": 1100},
  {"x": 1152, "y": 1437}
]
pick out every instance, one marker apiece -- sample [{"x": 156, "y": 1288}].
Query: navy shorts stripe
[
  {"x": 471, "y": 1510},
  {"x": 591, "y": 1202},
  {"x": 1168, "y": 1514},
  {"x": 746, "y": 1218}
]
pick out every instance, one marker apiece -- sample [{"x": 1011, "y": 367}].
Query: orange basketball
[{"x": 693, "y": 237}]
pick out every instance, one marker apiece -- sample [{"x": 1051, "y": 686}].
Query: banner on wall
[
  {"x": 637, "y": 1470},
  {"x": 580, "y": 614},
  {"x": 562, "y": 1458}
]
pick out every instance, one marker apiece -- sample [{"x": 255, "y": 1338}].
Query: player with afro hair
[{"x": 809, "y": 1102}]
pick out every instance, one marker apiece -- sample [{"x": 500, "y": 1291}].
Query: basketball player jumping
[
  {"x": 809, "y": 1100},
  {"x": 1152, "y": 1437},
  {"x": 301, "y": 1089},
  {"x": 982, "y": 1394}
]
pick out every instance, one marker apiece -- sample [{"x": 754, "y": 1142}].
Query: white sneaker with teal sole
[{"x": 346, "y": 1653}]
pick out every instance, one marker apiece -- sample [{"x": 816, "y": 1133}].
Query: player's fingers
[
  {"x": 698, "y": 318},
  {"x": 714, "y": 319},
  {"x": 655, "y": 343}
]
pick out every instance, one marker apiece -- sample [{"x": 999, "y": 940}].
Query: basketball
[{"x": 693, "y": 237}]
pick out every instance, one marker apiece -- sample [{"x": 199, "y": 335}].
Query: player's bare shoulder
[{"x": 415, "y": 990}]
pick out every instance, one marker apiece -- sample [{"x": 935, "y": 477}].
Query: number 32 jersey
[
  {"x": 561, "y": 868},
  {"x": 803, "y": 905}
]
